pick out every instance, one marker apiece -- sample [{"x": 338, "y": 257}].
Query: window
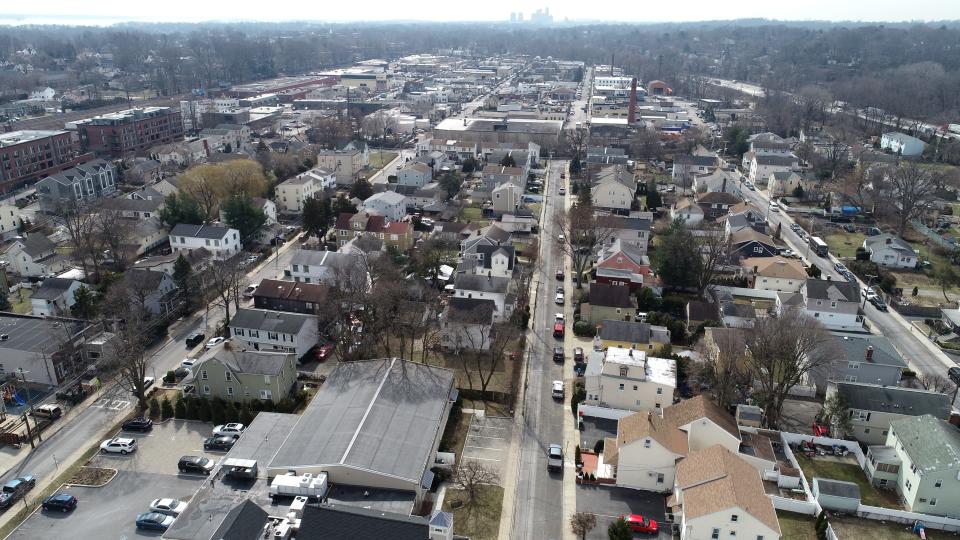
[
  {"x": 715, "y": 534},
  {"x": 238, "y": 331},
  {"x": 228, "y": 376},
  {"x": 659, "y": 478},
  {"x": 621, "y": 387},
  {"x": 883, "y": 481},
  {"x": 659, "y": 391},
  {"x": 853, "y": 365},
  {"x": 646, "y": 443},
  {"x": 938, "y": 483},
  {"x": 656, "y": 405},
  {"x": 634, "y": 388},
  {"x": 206, "y": 389},
  {"x": 909, "y": 486},
  {"x": 266, "y": 394},
  {"x": 933, "y": 501},
  {"x": 229, "y": 390},
  {"x": 734, "y": 518},
  {"x": 272, "y": 335},
  {"x": 203, "y": 374},
  {"x": 623, "y": 371},
  {"x": 266, "y": 379}
]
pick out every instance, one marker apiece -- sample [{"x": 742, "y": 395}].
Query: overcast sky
[{"x": 109, "y": 11}]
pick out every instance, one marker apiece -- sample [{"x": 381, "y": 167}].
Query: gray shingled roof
[
  {"x": 473, "y": 282},
  {"x": 470, "y": 310},
  {"x": 380, "y": 416},
  {"x": 37, "y": 244},
  {"x": 213, "y": 232},
  {"x": 271, "y": 321},
  {"x": 821, "y": 289},
  {"x": 932, "y": 444},
  {"x": 52, "y": 288},
  {"x": 631, "y": 332},
  {"x": 252, "y": 362},
  {"x": 855, "y": 347},
  {"x": 340, "y": 521},
  {"x": 894, "y": 399},
  {"x": 244, "y": 521}
]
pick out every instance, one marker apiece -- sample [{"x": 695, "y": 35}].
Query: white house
[
  {"x": 628, "y": 379},
  {"x": 9, "y": 221},
  {"x": 687, "y": 210},
  {"x": 835, "y": 304},
  {"x": 265, "y": 330},
  {"x": 484, "y": 288},
  {"x": 389, "y": 204},
  {"x": 901, "y": 143},
  {"x": 35, "y": 255},
  {"x": 222, "y": 242},
  {"x": 890, "y": 251},
  {"x": 42, "y": 94},
  {"x": 488, "y": 260},
  {"x": 293, "y": 192},
  {"x": 610, "y": 193},
  {"x": 330, "y": 267},
  {"x": 415, "y": 174},
  {"x": 55, "y": 297},
  {"x": 775, "y": 273},
  {"x": 506, "y": 197},
  {"x": 717, "y": 494},
  {"x": 763, "y": 165}
]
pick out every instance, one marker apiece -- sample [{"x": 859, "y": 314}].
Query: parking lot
[
  {"x": 147, "y": 474},
  {"x": 488, "y": 441},
  {"x": 609, "y": 502}
]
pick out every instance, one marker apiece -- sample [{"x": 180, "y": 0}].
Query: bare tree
[
  {"x": 380, "y": 124},
  {"x": 226, "y": 282},
  {"x": 782, "y": 352},
  {"x": 935, "y": 383},
  {"x": 724, "y": 366},
  {"x": 581, "y": 523},
  {"x": 911, "y": 189},
  {"x": 115, "y": 233},
  {"x": 583, "y": 233},
  {"x": 714, "y": 249},
  {"x": 80, "y": 223},
  {"x": 472, "y": 476},
  {"x": 133, "y": 325}
]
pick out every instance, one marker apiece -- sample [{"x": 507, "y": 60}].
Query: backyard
[
  {"x": 20, "y": 301},
  {"x": 851, "y": 527},
  {"x": 848, "y": 472},
  {"x": 377, "y": 162},
  {"x": 843, "y": 244},
  {"x": 473, "y": 214},
  {"x": 795, "y": 526},
  {"x": 480, "y": 519}
]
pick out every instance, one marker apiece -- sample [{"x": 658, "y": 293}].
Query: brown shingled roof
[
  {"x": 646, "y": 424},
  {"x": 688, "y": 410},
  {"x": 716, "y": 479}
]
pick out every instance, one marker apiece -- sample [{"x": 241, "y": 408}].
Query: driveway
[
  {"x": 596, "y": 429},
  {"x": 609, "y": 502},
  {"x": 147, "y": 474},
  {"x": 488, "y": 441}
]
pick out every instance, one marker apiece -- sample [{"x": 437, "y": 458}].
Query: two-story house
[
  {"x": 687, "y": 167},
  {"x": 467, "y": 324},
  {"x": 495, "y": 175},
  {"x": 333, "y": 268},
  {"x": 718, "y": 494},
  {"x": 873, "y": 407},
  {"x": 506, "y": 197},
  {"x": 610, "y": 193},
  {"x": 717, "y": 180},
  {"x": 265, "y": 330},
  {"x": 775, "y": 273},
  {"x": 716, "y": 204},
  {"x": 292, "y": 296},
  {"x": 628, "y": 230},
  {"x": 77, "y": 186},
  {"x": 415, "y": 174},
  {"x": 749, "y": 243},
  {"x": 489, "y": 260},
  {"x": 485, "y": 288},
  {"x": 628, "y": 379},
  {"x": 153, "y": 290},
  {"x": 388, "y": 204},
  {"x": 632, "y": 335},
  {"x": 861, "y": 358},
  {"x": 292, "y": 193},
  {"x": 763, "y": 165},
  {"x": 54, "y": 298},
  {"x": 35, "y": 255},
  {"x": 234, "y": 374},
  {"x": 344, "y": 164},
  {"x": 622, "y": 264},
  {"x": 9, "y": 221},
  {"x": 609, "y": 302},
  {"x": 222, "y": 242},
  {"x": 890, "y": 251},
  {"x": 687, "y": 210},
  {"x": 835, "y": 304}
]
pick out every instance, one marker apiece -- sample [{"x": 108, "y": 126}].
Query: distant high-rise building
[
  {"x": 541, "y": 16},
  {"x": 513, "y": 17}
]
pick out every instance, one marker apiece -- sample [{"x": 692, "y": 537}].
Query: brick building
[
  {"x": 132, "y": 130},
  {"x": 30, "y": 155}
]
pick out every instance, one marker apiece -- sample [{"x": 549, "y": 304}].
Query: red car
[
  {"x": 558, "y": 330},
  {"x": 324, "y": 351},
  {"x": 820, "y": 430},
  {"x": 639, "y": 523}
]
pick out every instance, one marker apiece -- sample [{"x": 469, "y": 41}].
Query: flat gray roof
[
  {"x": 377, "y": 415},
  {"x": 35, "y": 334}
]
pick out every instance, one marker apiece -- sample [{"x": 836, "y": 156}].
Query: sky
[{"x": 103, "y": 12}]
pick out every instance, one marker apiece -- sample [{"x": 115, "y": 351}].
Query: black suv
[
  {"x": 218, "y": 443},
  {"x": 558, "y": 354},
  {"x": 195, "y": 339},
  {"x": 195, "y": 464},
  {"x": 138, "y": 424},
  {"x": 63, "y": 502}
]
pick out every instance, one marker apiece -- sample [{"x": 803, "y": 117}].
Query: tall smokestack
[{"x": 632, "y": 111}]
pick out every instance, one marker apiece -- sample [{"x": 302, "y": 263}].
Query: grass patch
[
  {"x": 471, "y": 214},
  {"x": 93, "y": 476},
  {"x": 20, "y": 301},
  {"x": 479, "y": 520},
  {"x": 795, "y": 526},
  {"x": 850, "y": 473},
  {"x": 843, "y": 244},
  {"x": 875, "y": 530},
  {"x": 376, "y": 163}
]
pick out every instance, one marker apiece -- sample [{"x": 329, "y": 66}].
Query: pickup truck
[{"x": 14, "y": 490}]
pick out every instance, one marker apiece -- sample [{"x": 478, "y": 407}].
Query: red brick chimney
[{"x": 632, "y": 111}]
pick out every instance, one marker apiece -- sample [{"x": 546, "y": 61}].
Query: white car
[
  {"x": 559, "y": 299},
  {"x": 148, "y": 382},
  {"x": 228, "y": 430},
  {"x": 248, "y": 292},
  {"x": 122, "y": 445},
  {"x": 188, "y": 363},
  {"x": 788, "y": 253},
  {"x": 559, "y": 317},
  {"x": 561, "y": 238},
  {"x": 774, "y": 207},
  {"x": 171, "y": 507},
  {"x": 214, "y": 342},
  {"x": 557, "y": 392}
]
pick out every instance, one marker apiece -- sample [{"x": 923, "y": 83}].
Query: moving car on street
[{"x": 555, "y": 458}]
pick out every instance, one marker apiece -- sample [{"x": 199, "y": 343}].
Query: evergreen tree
[
  {"x": 242, "y": 214},
  {"x": 508, "y": 161},
  {"x": 183, "y": 278},
  {"x": 619, "y": 530},
  {"x": 181, "y": 208},
  {"x": 361, "y": 189},
  {"x": 317, "y": 214},
  {"x": 585, "y": 196},
  {"x": 5, "y": 300},
  {"x": 654, "y": 200},
  {"x": 85, "y": 303},
  {"x": 343, "y": 204}
]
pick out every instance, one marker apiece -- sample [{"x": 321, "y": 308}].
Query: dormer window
[{"x": 623, "y": 371}]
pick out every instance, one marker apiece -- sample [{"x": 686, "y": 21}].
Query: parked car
[
  {"x": 557, "y": 391},
  {"x": 555, "y": 458},
  {"x": 558, "y": 330},
  {"x": 578, "y": 354},
  {"x": 558, "y": 355},
  {"x": 840, "y": 268},
  {"x": 232, "y": 430},
  {"x": 171, "y": 507},
  {"x": 213, "y": 342},
  {"x": 788, "y": 253},
  {"x": 954, "y": 374},
  {"x": 878, "y": 303},
  {"x": 221, "y": 443},
  {"x": 323, "y": 351},
  {"x": 122, "y": 445},
  {"x": 248, "y": 292},
  {"x": 559, "y": 299},
  {"x": 154, "y": 521},
  {"x": 63, "y": 502},
  {"x": 148, "y": 382},
  {"x": 560, "y": 289},
  {"x": 15, "y": 489},
  {"x": 139, "y": 423},
  {"x": 563, "y": 191},
  {"x": 195, "y": 464},
  {"x": 774, "y": 207},
  {"x": 195, "y": 339},
  {"x": 638, "y": 523},
  {"x": 188, "y": 363},
  {"x": 559, "y": 275}
]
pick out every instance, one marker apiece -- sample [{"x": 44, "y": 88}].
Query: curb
[{"x": 114, "y": 475}]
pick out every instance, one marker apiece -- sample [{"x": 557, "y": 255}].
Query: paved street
[
  {"x": 91, "y": 425},
  {"x": 539, "y": 498}
]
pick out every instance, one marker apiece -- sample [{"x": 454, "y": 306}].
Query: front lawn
[
  {"x": 843, "y": 244},
  {"x": 480, "y": 519},
  {"x": 847, "y": 472},
  {"x": 377, "y": 163}
]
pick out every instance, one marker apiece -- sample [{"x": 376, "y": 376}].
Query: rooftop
[
  {"x": 856, "y": 347},
  {"x": 380, "y": 415},
  {"x": 837, "y": 488},
  {"x": 25, "y": 135},
  {"x": 931, "y": 443},
  {"x": 894, "y": 399},
  {"x": 36, "y": 334},
  {"x": 213, "y": 232}
]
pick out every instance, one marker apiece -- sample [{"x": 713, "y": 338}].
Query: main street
[
  {"x": 922, "y": 356},
  {"x": 79, "y": 431},
  {"x": 539, "y": 503}
]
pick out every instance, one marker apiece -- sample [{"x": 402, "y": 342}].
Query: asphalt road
[
  {"x": 579, "y": 115},
  {"x": 84, "y": 429},
  {"x": 920, "y": 355},
  {"x": 538, "y": 512}
]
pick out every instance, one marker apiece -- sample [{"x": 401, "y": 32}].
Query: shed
[{"x": 836, "y": 495}]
